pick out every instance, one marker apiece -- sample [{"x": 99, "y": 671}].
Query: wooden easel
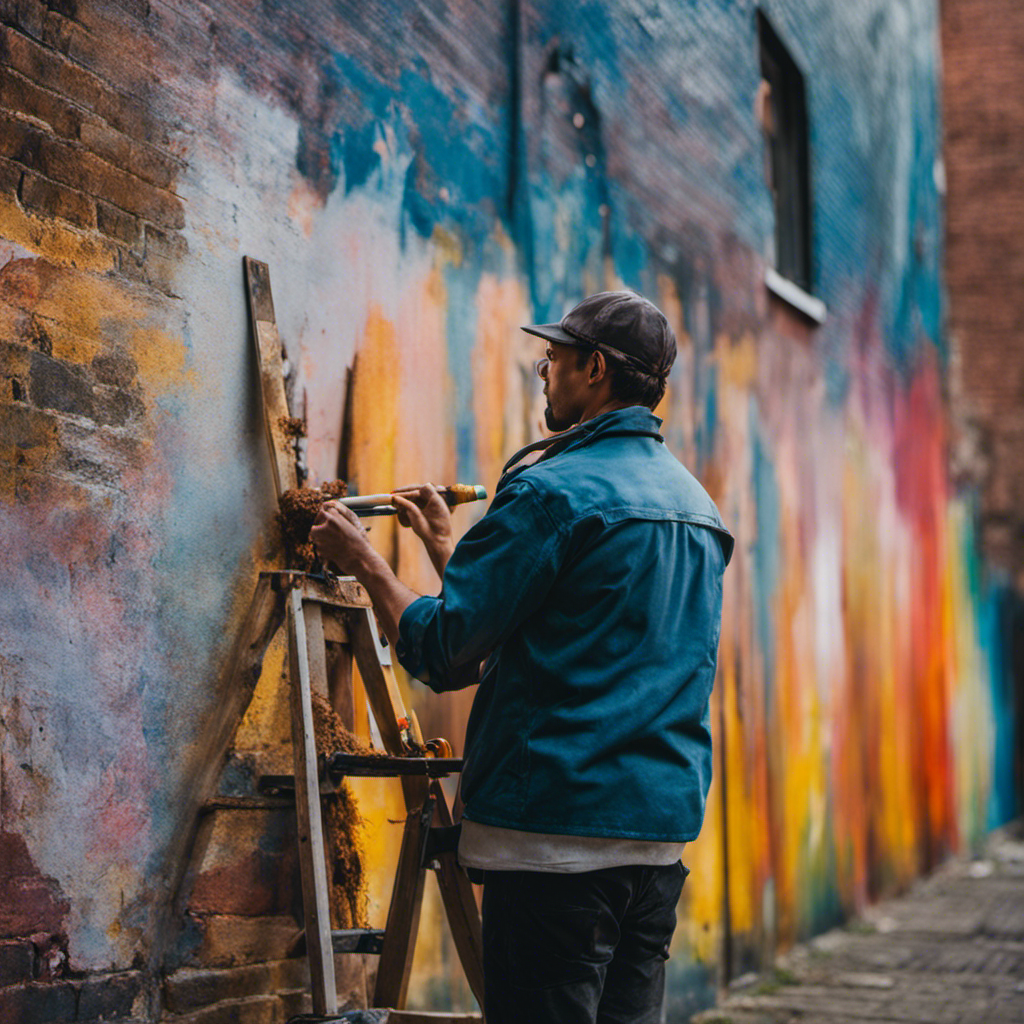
[{"x": 320, "y": 611}]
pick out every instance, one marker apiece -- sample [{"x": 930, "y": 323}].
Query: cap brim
[{"x": 554, "y": 332}]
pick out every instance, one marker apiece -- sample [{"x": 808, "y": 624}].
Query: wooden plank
[
  {"x": 404, "y": 913},
  {"x": 381, "y": 692},
  {"x": 334, "y": 591},
  {"x": 316, "y": 648},
  {"x": 432, "y": 1017},
  {"x": 268, "y": 351},
  {"x": 339, "y": 673},
  {"x": 312, "y": 863},
  {"x": 335, "y": 626},
  {"x": 460, "y": 905},
  {"x": 242, "y": 668}
]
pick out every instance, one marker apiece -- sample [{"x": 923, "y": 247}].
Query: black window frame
[{"x": 789, "y": 153}]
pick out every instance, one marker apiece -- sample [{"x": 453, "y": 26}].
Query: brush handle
[{"x": 457, "y": 494}]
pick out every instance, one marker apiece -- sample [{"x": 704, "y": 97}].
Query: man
[{"x": 593, "y": 589}]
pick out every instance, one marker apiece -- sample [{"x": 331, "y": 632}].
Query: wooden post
[
  {"x": 268, "y": 351},
  {"x": 404, "y": 912},
  {"x": 460, "y": 905},
  {"x": 315, "y": 899}
]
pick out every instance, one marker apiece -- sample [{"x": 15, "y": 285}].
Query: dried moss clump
[
  {"x": 292, "y": 427},
  {"x": 343, "y": 823},
  {"x": 297, "y": 511}
]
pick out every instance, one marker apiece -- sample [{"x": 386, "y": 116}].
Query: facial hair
[{"x": 556, "y": 424}]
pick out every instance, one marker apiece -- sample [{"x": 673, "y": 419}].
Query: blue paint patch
[
  {"x": 460, "y": 326},
  {"x": 766, "y": 551}
]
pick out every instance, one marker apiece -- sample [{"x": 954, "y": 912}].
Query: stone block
[
  {"x": 116, "y": 223},
  {"x": 233, "y": 940},
  {"x": 104, "y": 141},
  {"x": 28, "y": 905},
  {"x": 262, "y": 1009},
  {"x": 17, "y": 962},
  {"x": 190, "y": 989},
  {"x": 21, "y": 95},
  {"x": 249, "y": 866},
  {"x": 111, "y": 997},
  {"x": 46, "y": 68},
  {"x": 38, "y": 1003},
  {"x": 57, "y": 385},
  {"x": 50, "y": 199}
]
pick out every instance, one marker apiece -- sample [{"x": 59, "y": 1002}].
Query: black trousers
[{"x": 586, "y": 948}]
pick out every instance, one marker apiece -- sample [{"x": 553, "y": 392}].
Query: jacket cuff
[{"x": 411, "y": 630}]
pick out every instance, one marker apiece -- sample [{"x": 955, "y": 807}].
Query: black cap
[{"x": 623, "y": 323}]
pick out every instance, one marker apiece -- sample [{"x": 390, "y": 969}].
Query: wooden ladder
[{"x": 323, "y": 610}]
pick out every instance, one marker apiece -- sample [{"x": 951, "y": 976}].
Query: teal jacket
[{"x": 593, "y": 585}]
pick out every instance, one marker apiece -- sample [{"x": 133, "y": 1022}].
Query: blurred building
[
  {"x": 422, "y": 178},
  {"x": 983, "y": 56}
]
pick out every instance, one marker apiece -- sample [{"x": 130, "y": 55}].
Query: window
[{"x": 782, "y": 108}]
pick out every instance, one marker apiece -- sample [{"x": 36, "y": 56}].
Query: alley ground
[{"x": 949, "y": 952}]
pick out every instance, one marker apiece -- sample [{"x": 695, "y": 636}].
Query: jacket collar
[{"x": 636, "y": 420}]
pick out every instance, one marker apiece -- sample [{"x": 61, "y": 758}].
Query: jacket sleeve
[{"x": 498, "y": 575}]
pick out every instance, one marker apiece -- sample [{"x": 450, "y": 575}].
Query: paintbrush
[{"x": 380, "y": 504}]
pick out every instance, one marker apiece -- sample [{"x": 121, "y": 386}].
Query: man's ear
[{"x": 598, "y": 369}]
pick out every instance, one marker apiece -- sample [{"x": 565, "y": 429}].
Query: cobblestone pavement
[{"x": 949, "y": 952}]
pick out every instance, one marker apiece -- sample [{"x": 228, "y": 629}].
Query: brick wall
[
  {"x": 422, "y": 179},
  {"x": 983, "y": 60}
]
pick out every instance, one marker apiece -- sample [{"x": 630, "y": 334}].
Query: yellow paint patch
[
  {"x": 54, "y": 242},
  {"x": 500, "y": 360}
]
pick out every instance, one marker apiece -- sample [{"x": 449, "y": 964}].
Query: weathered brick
[
  {"x": 95, "y": 454},
  {"x": 168, "y": 244},
  {"x": 111, "y": 997},
  {"x": 19, "y": 94},
  {"x": 10, "y": 176},
  {"x": 28, "y": 15},
  {"x": 117, "y": 369},
  {"x": 84, "y": 170},
  {"x": 19, "y": 140},
  {"x": 189, "y": 989},
  {"x": 125, "y": 227},
  {"x": 158, "y": 168},
  {"x": 38, "y": 1003},
  {"x": 56, "y": 385},
  {"x": 17, "y": 962},
  {"x": 984, "y": 129},
  {"x": 229, "y": 940},
  {"x": 105, "y": 141},
  {"x": 116, "y": 407},
  {"x": 249, "y": 867},
  {"x": 49, "y": 198},
  {"x": 259, "y": 1009},
  {"x": 29, "y": 902},
  {"x": 28, "y": 439},
  {"x": 46, "y": 68}
]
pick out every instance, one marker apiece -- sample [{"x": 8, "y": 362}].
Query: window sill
[{"x": 792, "y": 293}]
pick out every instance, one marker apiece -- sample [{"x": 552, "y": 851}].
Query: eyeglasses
[{"x": 541, "y": 366}]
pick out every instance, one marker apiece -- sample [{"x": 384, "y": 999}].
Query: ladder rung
[
  {"x": 385, "y": 765},
  {"x": 282, "y": 787},
  {"x": 268, "y": 801},
  {"x": 348, "y": 940}
]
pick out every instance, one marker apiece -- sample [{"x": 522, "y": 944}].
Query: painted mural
[{"x": 422, "y": 179}]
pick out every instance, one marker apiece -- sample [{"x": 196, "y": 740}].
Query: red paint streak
[{"x": 922, "y": 492}]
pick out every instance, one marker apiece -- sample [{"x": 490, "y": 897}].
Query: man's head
[{"x": 612, "y": 350}]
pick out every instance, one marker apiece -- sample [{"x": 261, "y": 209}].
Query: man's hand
[
  {"x": 340, "y": 538},
  {"x": 427, "y": 514}
]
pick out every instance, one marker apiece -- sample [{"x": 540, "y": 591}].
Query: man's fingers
[
  {"x": 408, "y": 511},
  {"x": 419, "y": 494}
]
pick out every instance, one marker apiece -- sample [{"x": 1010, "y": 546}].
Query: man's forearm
[
  {"x": 439, "y": 553},
  {"x": 390, "y": 596}
]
